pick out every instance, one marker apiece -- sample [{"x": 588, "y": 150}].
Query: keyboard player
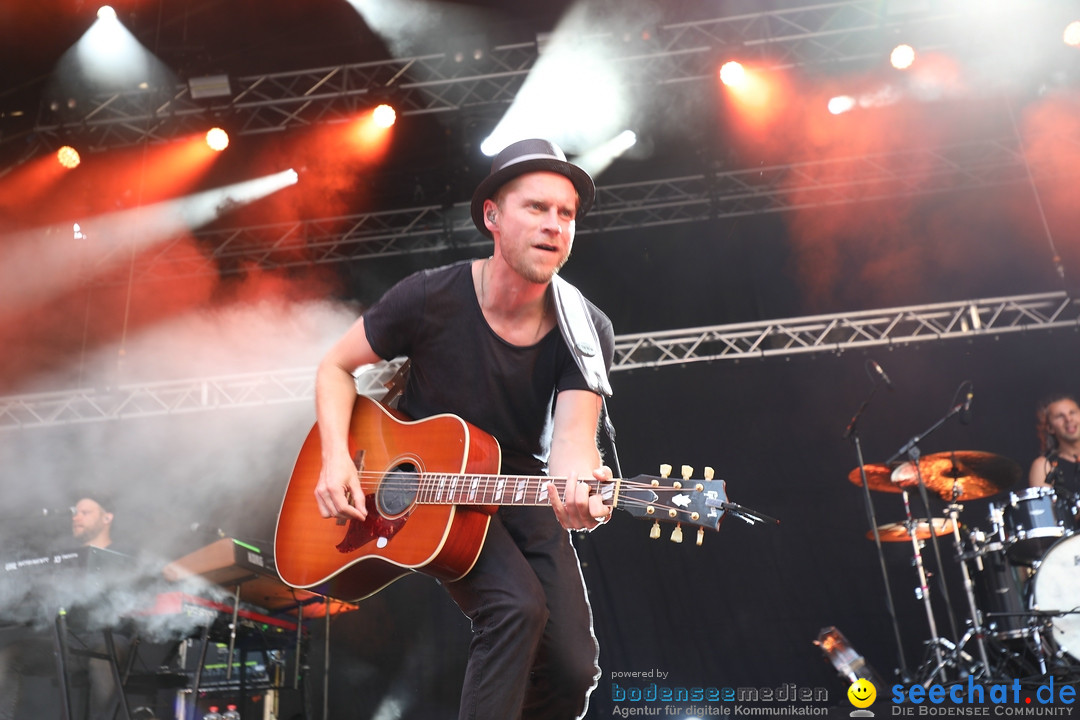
[{"x": 28, "y": 650}]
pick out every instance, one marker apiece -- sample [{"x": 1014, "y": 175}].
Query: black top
[
  {"x": 460, "y": 366},
  {"x": 1064, "y": 475}
]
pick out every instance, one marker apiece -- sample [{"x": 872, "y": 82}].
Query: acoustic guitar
[{"x": 430, "y": 488}]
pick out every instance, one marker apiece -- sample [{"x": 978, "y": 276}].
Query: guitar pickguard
[{"x": 374, "y": 527}]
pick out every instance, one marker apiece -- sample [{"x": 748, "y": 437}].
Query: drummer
[{"x": 1058, "y": 425}]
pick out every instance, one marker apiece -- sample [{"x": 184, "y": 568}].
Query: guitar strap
[{"x": 580, "y": 335}]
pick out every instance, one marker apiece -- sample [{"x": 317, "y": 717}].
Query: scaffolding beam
[
  {"x": 973, "y": 165},
  {"x": 817, "y": 34},
  {"x": 834, "y": 334}
]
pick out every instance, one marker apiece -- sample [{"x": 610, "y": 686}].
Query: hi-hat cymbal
[
  {"x": 898, "y": 532},
  {"x": 963, "y": 474}
]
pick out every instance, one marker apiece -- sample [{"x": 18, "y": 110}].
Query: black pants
[{"x": 533, "y": 653}]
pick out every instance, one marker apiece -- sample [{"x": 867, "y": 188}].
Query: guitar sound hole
[{"x": 397, "y": 491}]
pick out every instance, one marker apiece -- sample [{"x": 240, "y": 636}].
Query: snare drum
[
  {"x": 1032, "y": 522},
  {"x": 1056, "y": 588}
]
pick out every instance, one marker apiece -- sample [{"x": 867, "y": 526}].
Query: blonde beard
[{"x": 529, "y": 273}]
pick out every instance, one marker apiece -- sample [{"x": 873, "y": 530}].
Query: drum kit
[{"x": 1021, "y": 572}]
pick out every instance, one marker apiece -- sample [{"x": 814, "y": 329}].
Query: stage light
[
  {"x": 849, "y": 664},
  {"x": 902, "y": 57},
  {"x": 597, "y": 159},
  {"x": 68, "y": 157},
  {"x": 841, "y": 104},
  {"x": 732, "y": 73},
  {"x": 217, "y": 139},
  {"x": 467, "y": 47},
  {"x": 384, "y": 116},
  {"x": 625, "y": 140},
  {"x": 1072, "y": 33},
  {"x": 209, "y": 86},
  {"x": 108, "y": 56}
]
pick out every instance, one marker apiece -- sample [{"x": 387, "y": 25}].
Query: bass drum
[{"x": 1056, "y": 589}]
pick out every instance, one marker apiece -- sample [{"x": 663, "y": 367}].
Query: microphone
[
  {"x": 881, "y": 374},
  {"x": 965, "y": 409},
  {"x": 56, "y": 512}
]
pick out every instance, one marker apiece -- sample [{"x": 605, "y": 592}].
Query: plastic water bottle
[
  {"x": 231, "y": 713},
  {"x": 213, "y": 714}
]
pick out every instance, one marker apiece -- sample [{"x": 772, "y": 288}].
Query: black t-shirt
[
  {"x": 460, "y": 366},
  {"x": 1064, "y": 475}
]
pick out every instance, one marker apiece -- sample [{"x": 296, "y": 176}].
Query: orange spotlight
[
  {"x": 1072, "y": 33},
  {"x": 369, "y": 138},
  {"x": 902, "y": 57},
  {"x": 757, "y": 97},
  {"x": 384, "y": 116},
  {"x": 217, "y": 139},
  {"x": 68, "y": 157},
  {"x": 732, "y": 74}
]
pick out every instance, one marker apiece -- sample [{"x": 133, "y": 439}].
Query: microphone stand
[
  {"x": 851, "y": 431},
  {"x": 912, "y": 452}
]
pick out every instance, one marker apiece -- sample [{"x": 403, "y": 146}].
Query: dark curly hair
[{"x": 1047, "y": 442}]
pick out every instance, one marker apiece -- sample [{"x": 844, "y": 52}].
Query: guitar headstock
[{"x": 681, "y": 501}]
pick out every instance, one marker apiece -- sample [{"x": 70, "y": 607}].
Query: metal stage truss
[
  {"x": 826, "y": 35},
  {"x": 693, "y": 198},
  {"x": 755, "y": 340}
]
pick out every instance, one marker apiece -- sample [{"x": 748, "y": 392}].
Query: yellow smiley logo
[{"x": 862, "y": 693}]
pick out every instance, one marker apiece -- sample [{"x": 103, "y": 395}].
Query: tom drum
[{"x": 1033, "y": 521}]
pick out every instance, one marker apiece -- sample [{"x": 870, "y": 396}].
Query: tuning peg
[
  {"x": 709, "y": 473},
  {"x": 687, "y": 472},
  {"x": 665, "y": 470},
  {"x": 654, "y": 531},
  {"x": 676, "y": 534},
  {"x": 700, "y": 536}
]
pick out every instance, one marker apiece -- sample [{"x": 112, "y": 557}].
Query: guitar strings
[
  {"x": 409, "y": 478},
  {"x": 402, "y": 480}
]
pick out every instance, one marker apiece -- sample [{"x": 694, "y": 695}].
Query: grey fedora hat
[{"x": 525, "y": 156}]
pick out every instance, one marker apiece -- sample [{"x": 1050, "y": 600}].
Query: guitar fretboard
[{"x": 453, "y": 489}]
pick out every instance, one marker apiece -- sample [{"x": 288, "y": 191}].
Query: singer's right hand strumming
[{"x": 338, "y": 492}]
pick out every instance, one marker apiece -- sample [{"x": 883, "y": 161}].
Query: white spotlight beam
[
  {"x": 111, "y": 56},
  {"x": 596, "y": 160},
  {"x": 39, "y": 264}
]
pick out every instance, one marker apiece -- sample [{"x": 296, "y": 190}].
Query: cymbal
[
  {"x": 898, "y": 532},
  {"x": 974, "y": 475}
]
